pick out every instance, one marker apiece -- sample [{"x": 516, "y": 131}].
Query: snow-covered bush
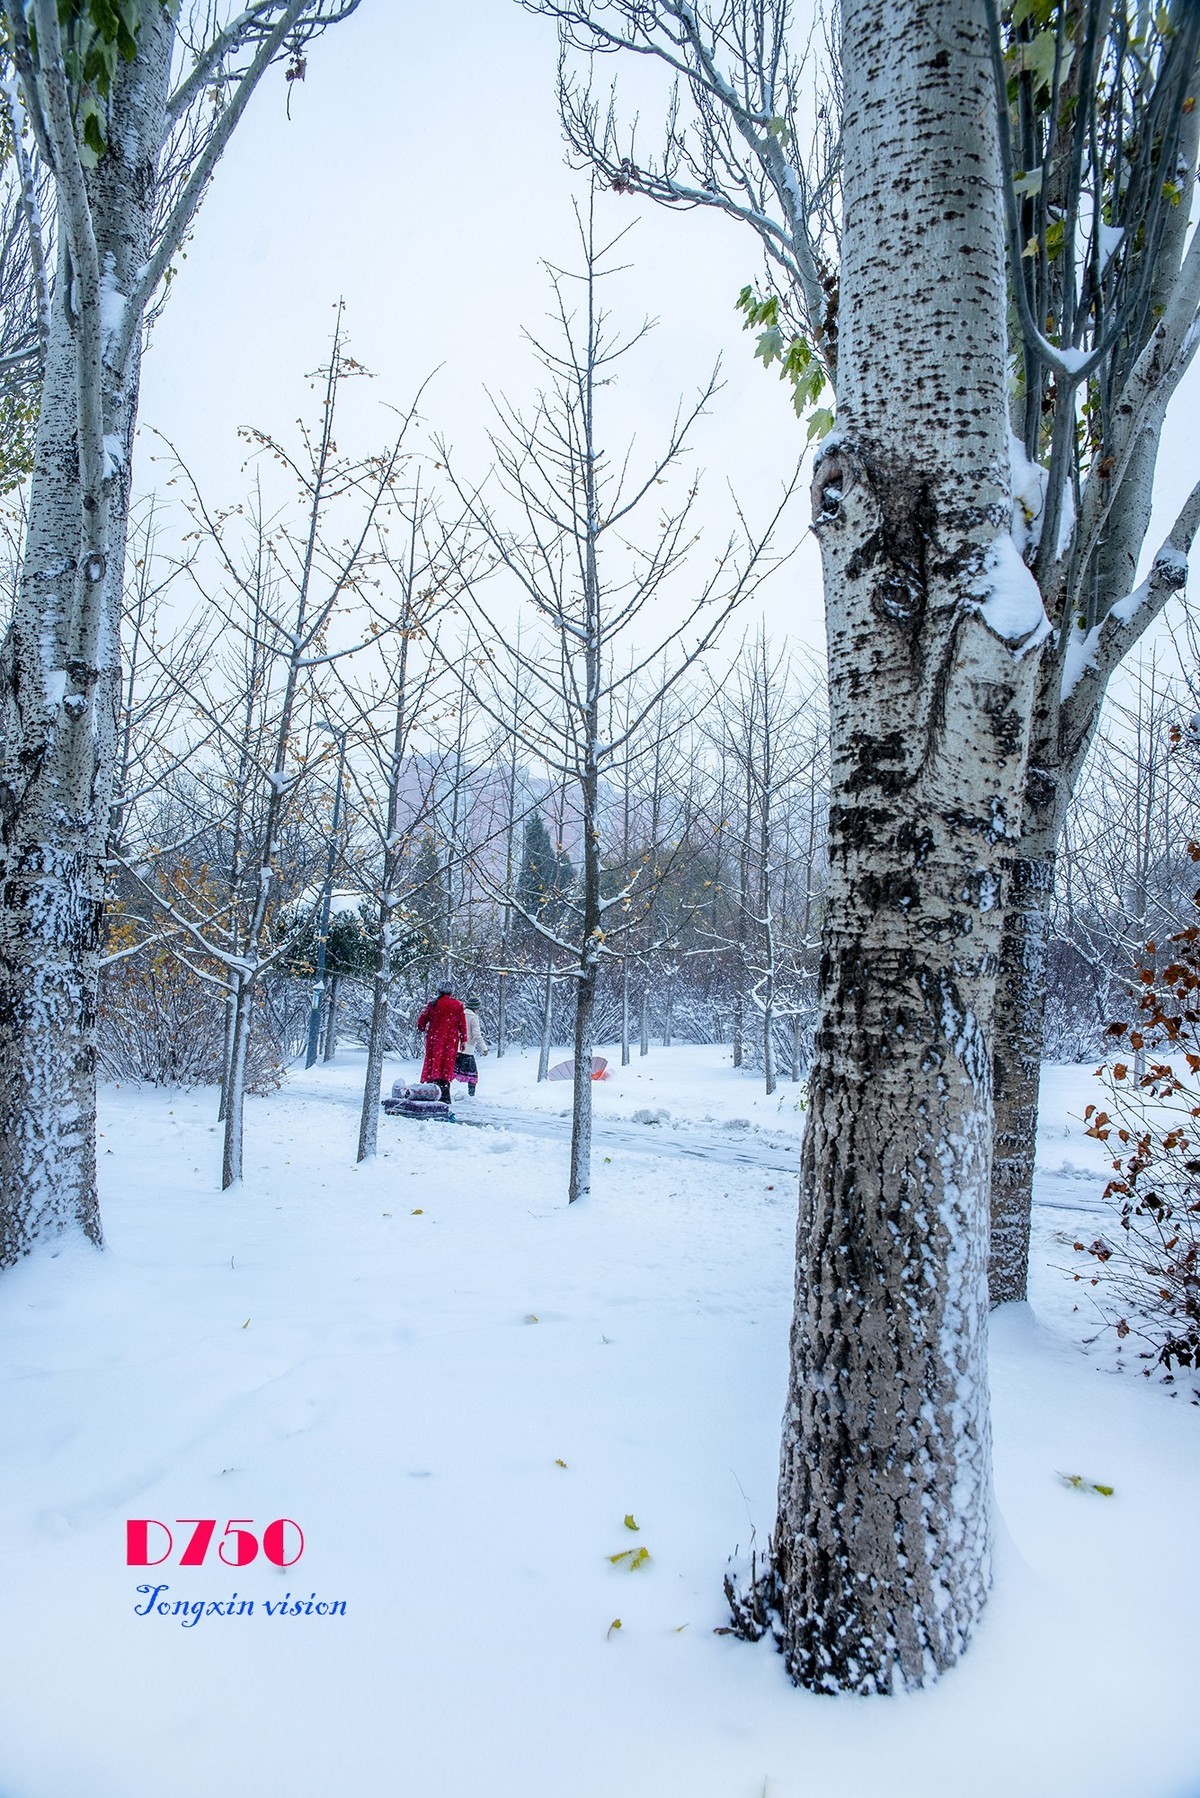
[
  {"x": 1147, "y": 1270},
  {"x": 159, "y": 1021},
  {"x": 161, "y": 1005}
]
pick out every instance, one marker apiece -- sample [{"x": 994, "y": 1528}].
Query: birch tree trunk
[
  {"x": 118, "y": 230},
  {"x": 880, "y": 1559},
  {"x": 61, "y": 676},
  {"x": 1017, "y": 1064}
]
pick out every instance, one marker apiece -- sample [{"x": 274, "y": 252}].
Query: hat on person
[
  {"x": 474, "y": 1004},
  {"x": 444, "y": 990}
]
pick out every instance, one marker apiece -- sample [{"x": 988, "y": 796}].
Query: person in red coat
[{"x": 445, "y": 1025}]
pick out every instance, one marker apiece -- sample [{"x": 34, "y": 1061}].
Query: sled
[
  {"x": 565, "y": 1070},
  {"x": 421, "y": 1101}
]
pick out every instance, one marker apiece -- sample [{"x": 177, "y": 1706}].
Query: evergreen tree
[
  {"x": 547, "y": 874},
  {"x": 428, "y": 902}
]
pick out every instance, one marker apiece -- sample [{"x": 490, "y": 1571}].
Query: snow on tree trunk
[
  {"x": 330, "y": 1049},
  {"x": 880, "y": 1558},
  {"x": 231, "y": 1160},
  {"x": 368, "y": 1125},
  {"x": 592, "y": 935},
  {"x": 227, "y": 1054},
  {"x": 60, "y": 687},
  {"x": 580, "y": 1179}
]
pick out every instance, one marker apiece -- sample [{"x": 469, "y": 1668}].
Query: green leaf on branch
[
  {"x": 93, "y": 134},
  {"x": 97, "y": 35},
  {"x": 758, "y": 312},
  {"x": 1040, "y": 11},
  {"x": 800, "y": 363},
  {"x": 1036, "y": 56},
  {"x": 770, "y": 347}
]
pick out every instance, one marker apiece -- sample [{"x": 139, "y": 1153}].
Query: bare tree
[
  {"x": 589, "y": 583},
  {"x": 735, "y": 117},
  {"x": 396, "y": 792},
  {"x": 762, "y": 722},
  {"x": 118, "y": 100},
  {"x": 279, "y": 594}
]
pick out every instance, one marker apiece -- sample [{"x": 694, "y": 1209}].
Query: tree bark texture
[
  {"x": 330, "y": 1047},
  {"x": 1017, "y": 1062},
  {"x": 368, "y": 1123},
  {"x": 60, "y": 682},
  {"x": 235, "y": 1104},
  {"x": 880, "y": 1558},
  {"x": 579, "y": 1182}
]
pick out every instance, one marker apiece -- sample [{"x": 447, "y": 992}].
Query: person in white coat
[{"x": 467, "y": 1068}]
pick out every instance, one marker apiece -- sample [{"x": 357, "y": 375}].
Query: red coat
[{"x": 445, "y": 1025}]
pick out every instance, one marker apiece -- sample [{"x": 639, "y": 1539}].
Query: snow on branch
[{"x": 1092, "y": 656}]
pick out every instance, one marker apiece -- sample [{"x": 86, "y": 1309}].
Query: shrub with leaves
[{"x": 1147, "y": 1270}]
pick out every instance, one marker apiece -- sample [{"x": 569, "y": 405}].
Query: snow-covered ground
[{"x": 461, "y": 1390}]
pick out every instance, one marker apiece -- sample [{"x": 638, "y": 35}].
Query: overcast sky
[{"x": 421, "y": 178}]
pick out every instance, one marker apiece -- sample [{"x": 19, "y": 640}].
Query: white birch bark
[
  {"x": 62, "y": 666},
  {"x": 880, "y": 1559}
]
